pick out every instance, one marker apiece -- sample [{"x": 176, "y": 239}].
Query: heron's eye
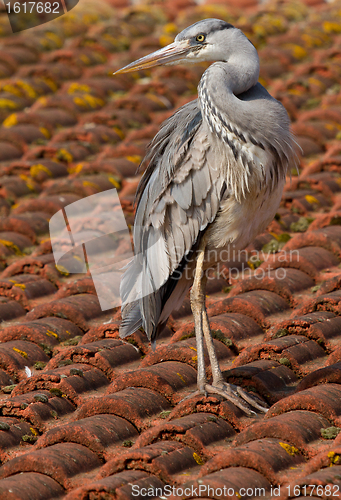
[{"x": 200, "y": 38}]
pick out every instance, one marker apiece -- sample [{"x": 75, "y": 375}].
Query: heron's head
[{"x": 208, "y": 40}]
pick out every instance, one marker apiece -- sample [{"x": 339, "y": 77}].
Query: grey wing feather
[{"x": 178, "y": 196}]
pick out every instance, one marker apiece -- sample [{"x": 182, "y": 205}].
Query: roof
[{"x": 85, "y": 414}]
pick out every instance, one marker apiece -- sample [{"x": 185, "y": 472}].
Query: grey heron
[{"x": 214, "y": 176}]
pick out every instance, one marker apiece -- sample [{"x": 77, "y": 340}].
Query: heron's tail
[
  {"x": 129, "y": 291},
  {"x": 153, "y": 310},
  {"x": 131, "y": 319}
]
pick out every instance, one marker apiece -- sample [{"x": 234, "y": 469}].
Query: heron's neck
[
  {"x": 240, "y": 75},
  {"x": 232, "y": 77},
  {"x": 224, "y": 81}
]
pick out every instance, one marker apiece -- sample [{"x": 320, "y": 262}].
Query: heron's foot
[
  {"x": 233, "y": 393},
  {"x": 237, "y": 396}
]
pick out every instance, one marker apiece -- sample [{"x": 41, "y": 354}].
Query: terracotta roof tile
[
  {"x": 24, "y": 485},
  {"x": 300, "y": 428},
  {"x": 166, "y": 460},
  {"x": 25, "y": 224},
  {"x": 137, "y": 406},
  {"x": 42, "y": 265},
  {"x": 203, "y": 432},
  {"x": 328, "y": 302},
  {"x": 119, "y": 483},
  {"x": 328, "y": 238},
  {"x": 167, "y": 378},
  {"x": 268, "y": 456},
  {"x": 320, "y": 326},
  {"x": 16, "y": 354},
  {"x": 14, "y": 186},
  {"x": 10, "y": 309},
  {"x": 14, "y": 434},
  {"x": 295, "y": 351},
  {"x": 232, "y": 477},
  {"x": 268, "y": 378},
  {"x": 329, "y": 374},
  {"x": 239, "y": 328},
  {"x": 81, "y": 308},
  {"x": 326, "y": 458},
  {"x": 106, "y": 355},
  {"x": 321, "y": 478},
  {"x": 105, "y": 435},
  {"x": 70, "y": 388},
  {"x": 295, "y": 281},
  {"x": 56, "y": 116},
  {"x": 258, "y": 304},
  {"x": 310, "y": 260},
  {"x": 70, "y": 381},
  {"x": 5, "y": 379},
  {"x": 61, "y": 461},
  {"x": 25, "y": 288},
  {"x": 184, "y": 352},
  {"x": 46, "y": 331},
  {"x": 322, "y": 399},
  {"x": 37, "y": 408},
  {"x": 49, "y": 205}
]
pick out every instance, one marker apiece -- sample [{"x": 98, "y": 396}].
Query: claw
[
  {"x": 250, "y": 400},
  {"x": 232, "y": 393},
  {"x": 235, "y": 393},
  {"x": 198, "y": 392}
]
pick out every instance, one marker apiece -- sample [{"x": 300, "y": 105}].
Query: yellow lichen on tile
[{"x": 289, "y": 449}]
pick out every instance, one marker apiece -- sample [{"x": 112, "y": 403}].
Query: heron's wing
[
  {"x": 166, "y": 151},
  {"x": 178, "y": 196}
]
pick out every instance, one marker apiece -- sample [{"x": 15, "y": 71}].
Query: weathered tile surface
[{"x": 86, "y": 415}]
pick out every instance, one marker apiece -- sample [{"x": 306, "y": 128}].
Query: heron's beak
[{"x": 169, "y": 54}]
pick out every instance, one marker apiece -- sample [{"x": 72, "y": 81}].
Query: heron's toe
[
  {"x": 199, "y": 392},
  {"x": 237, "y": 396},
  {"x": 251, "y": 400}
]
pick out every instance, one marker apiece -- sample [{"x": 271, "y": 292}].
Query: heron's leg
[
  {"x": 202, "y": 329},
  {"x": 197, "y": 305},
  {"x": 216, "y": 372},
  {"x": 232, "y": 392}
]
